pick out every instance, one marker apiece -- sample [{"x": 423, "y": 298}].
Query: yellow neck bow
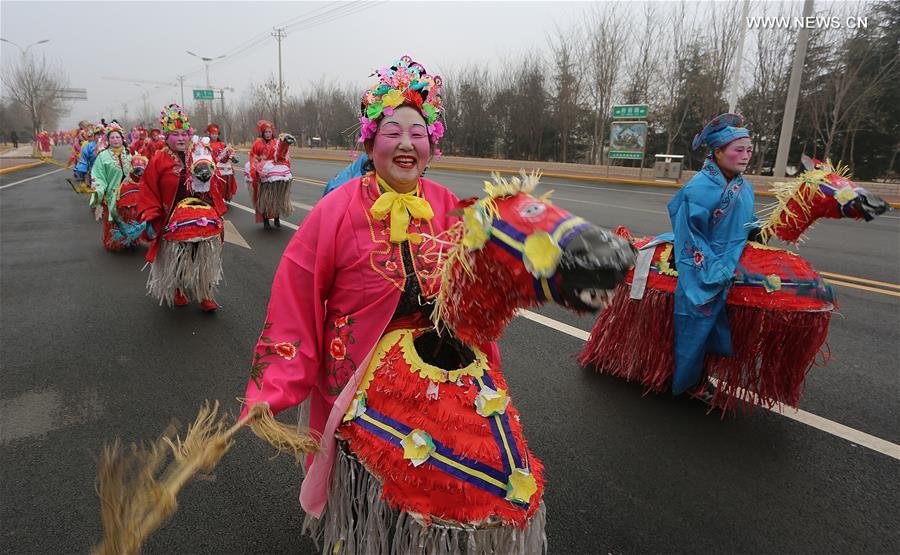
[{"x": 401, "y": 206}]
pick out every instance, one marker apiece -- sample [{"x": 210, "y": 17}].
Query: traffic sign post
[
  {"x": 204, "y": 94},
  {"x": 630, "y": 111}
]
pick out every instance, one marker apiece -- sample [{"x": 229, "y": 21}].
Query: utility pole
[
  {"x": 181, "y": 81},
  {"x": 206, "y": 62},
  {"x": 736, "y": 80},
  {"x": 279, "y": 35},
  {"x": 125, "y": 109},
  {"x": 790, "y": 105}
]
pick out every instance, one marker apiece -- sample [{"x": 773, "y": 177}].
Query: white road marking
[
  {"x": 828, "y": 426},
  {"x": 823, "y": 424},
  {"x": 30, "y": 178},
  {"x": 233, "y": 236},
  {"x": 554, "y": 324},
  {"x": 301, "y": 206},
  {"x": 285, "y": 224}
]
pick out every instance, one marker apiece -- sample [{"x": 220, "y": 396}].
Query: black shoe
[
  {"x": 266, "y": 224},
  {"x": 277, "y": 222}
]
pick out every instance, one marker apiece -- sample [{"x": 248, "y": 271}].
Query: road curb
[{"x": 21, "y": 167}]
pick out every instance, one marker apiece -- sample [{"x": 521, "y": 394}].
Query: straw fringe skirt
[
  {"x": 274, "y": 199},
  {"x": 195, "y": 268},
  {"x": 357, "y": 521}
]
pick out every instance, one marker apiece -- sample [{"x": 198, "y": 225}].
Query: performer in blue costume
[
  {"x": 354, "y": 170},
  {"x": 88, "y": 155},
  {"x": 712, "y": 217}
]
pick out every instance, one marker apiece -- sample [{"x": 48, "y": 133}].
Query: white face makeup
[
  {"x": 401, "y": 148},
  {"x": 735, "y": 156}
]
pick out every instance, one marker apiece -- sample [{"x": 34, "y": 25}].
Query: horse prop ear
[
  {"x": 462, "y": 205},
  {"x": 808, "y": 162}
]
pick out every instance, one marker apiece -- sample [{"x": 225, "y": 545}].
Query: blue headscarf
[{"x": 720, "y": 131}]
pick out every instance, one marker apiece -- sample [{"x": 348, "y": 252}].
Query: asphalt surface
[{"x": 87, "y": 357}]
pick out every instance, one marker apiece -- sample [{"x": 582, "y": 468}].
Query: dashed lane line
[
  {"x": 823, "y": 424},
  {"x": 30, "y": 178}
]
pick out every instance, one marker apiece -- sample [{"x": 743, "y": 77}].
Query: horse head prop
[
  {"x": 201, "y": 164},
  {"x": 822, "y": 191},
  {"x": 512, "y": 250}
]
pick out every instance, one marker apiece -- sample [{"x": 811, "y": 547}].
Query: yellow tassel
[
  {"x": 283, "y": 437},
  {"x": 138, "y": 488}
]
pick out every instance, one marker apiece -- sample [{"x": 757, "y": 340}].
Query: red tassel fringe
[{"x": 772, "y": 349}]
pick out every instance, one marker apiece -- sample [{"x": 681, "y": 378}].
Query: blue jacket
[
  {"x": 352, "y": 171},
  {"x": 86, "y": 160},
  {"x": 710, "y": 221}
]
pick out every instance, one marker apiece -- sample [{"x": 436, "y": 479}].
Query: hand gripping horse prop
[
  {"x": 431, "y": 456},
  {"x": 778, "y": 306}
]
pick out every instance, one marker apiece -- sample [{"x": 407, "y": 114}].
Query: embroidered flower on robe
[
  {"x": 698, "y": 258},
  {"x": 337, "y": 349},
  {"x": 287, "y": 351},
  {"x": 267, "y": 348}
]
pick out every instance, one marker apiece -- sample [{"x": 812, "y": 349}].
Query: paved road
[{"x": 86, "y": 356}]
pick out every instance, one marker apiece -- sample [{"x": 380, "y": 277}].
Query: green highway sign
[
  {"x": 628, "y": 155},
  {"x": 204, "y": 94},
  {"x": 633, "y": 111}
]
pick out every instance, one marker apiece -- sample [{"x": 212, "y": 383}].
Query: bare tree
[
  {"x": 567, "y": 80},
  {"x": 673, "y": 111},
  {"x": 37, "y": 86},
  {"x": 265, "y": 97},
  {"x": 642, "y": 57},
  {"x": 724, "y": 27},
  {"x": 764, "y": 103},
  {"x": 846, "y": 92},
  {"x": 604, "y": 49}
]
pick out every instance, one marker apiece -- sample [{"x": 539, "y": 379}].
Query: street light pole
[
  {"x": 279, "y": 34},
  {"x": 146, "y": 97},
  {"x": 736, "y": 80},
  {"x": 206, "y": 61},
  {"x": 181, "y": 81},
  {"x": 25, "y": 51},
  {"x": 790, "y": 104}
]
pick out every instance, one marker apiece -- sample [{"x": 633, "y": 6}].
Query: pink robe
[{"x": 310, "y": 348}]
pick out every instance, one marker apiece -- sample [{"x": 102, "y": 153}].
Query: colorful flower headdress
[
  {"x": 174, "y": 119},
  {"x": 114, "y": 126},
  {"x": 403, "y": 84}
]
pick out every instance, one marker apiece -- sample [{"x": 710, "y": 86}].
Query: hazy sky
[
  {"x": 340, "y": 41},
  {"x": 147, "y": 41}
]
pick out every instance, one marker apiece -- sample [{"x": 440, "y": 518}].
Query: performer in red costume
[
  {"x": 262, "y": 150},
  {"x": 138, "y": 139},
  {"x": 181, "y": 201},
  {"x": 223, "y": 155}
]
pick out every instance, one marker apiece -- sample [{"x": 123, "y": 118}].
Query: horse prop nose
[
  {"x": 593, "y": 263},
  {"x": 869, "y": 205}
]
